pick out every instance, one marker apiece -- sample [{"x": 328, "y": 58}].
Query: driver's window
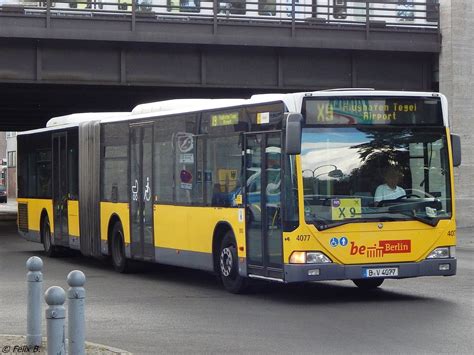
[{"x": 417, "y": 164}]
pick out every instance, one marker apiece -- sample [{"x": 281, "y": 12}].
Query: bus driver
[{"x": 390, "y": 190}]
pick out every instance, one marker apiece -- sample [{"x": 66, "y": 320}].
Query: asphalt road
[{"x": 174, "y": 310}]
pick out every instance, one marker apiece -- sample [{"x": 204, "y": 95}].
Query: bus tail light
[
  {"x": 441, "y": 253},
  {"x": 309, "y": 257}
]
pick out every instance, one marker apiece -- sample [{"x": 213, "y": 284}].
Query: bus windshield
[{"x": 354, "y": 174}]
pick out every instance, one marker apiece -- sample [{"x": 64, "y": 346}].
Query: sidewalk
[
  {"x": 8, "y": 210},
  {"x": 13, "y": 344}
]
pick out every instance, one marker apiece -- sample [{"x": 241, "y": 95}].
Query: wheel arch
[
  {"x": 43, "y": 216},
  {"x": 114, "y": 218},
  {"x": 220, "y": 231}
]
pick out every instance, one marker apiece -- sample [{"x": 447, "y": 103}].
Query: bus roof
[
  {"x": 172, "y": 107},
  {"x": 293, "y": 102},
  {"x": 82, "y": 117},
  {"x": 180, "y": 104}
]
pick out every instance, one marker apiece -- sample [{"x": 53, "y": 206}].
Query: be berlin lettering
[{"x": 384, "y": 247}]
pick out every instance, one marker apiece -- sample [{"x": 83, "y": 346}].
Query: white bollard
[
  {"x": 55, "y": 317},
  {"x": 34, "y": 280},
  {"x": 76, "y": 312}
]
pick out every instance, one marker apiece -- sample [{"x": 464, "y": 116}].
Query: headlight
[
  {"x": 298, "y": 257},
  {"x": 439, "y": 253},
  {"x": 309, "y": 257},
  {"x": 317, "y": 258}
]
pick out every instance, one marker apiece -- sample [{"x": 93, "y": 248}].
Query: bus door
[
  {"x": 60, "y": 187},
  {"x": 141, "y": 202},
  {"x": 262, "y": 204}
]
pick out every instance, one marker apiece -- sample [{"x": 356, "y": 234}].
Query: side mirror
[
  {"x": 456, "y": 148},
  {"x": 293, "y": 133}
]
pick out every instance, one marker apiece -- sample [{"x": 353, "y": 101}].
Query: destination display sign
[
  {"x": 224, "y": 119},
  {"x": 373, "y": 110}
]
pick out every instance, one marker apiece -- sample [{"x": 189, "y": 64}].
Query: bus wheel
[
  {"x": 229, "y": 266},
  {"x": 47, "y": 238},
  {"x": 368, "y": 284},
  {"x": 119, "y": 260}
]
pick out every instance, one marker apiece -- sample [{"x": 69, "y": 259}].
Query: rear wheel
[
  {"x": 49, "y": 248},
  {"x": 368, "y": 284},
  {"x": 119, "y": 261},
  {"x": 229, "y": 265}
]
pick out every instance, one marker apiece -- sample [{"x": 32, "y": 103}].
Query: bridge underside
[{"x": 43, "y": 78}]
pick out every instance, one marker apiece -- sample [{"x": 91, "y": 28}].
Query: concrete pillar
[
  {"x": 55, "y": 320},
  {"x": 456, "y": 79},
  {"x": 76, "y": 312},
  {"x": 34, "y": 307}
]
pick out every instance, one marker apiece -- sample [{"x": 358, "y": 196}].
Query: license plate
[{"x": 381, "y": 272}]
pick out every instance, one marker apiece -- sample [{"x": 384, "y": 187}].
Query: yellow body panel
[
  {"x": 107, "y": 210},
  {"x": 73, "y": 217},
  {"x": 192, "y": 228},
  {"x": 405, "y": 241},
  {"x": 35, "y": 207}
]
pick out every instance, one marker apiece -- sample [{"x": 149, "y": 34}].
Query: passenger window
[
  {"x": 223, "y": 170},
  {"x": 115, "y": 162},
  {"x": 163, "y": 163}
]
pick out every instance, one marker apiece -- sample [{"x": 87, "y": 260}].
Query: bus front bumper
[{"x": 322, "y": 272}]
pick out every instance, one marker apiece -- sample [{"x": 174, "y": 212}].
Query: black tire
[
  {"x": 47, "y": 239},
  {"x": 228, "y": 264},
  {"x": 119, "y": 261},
  {"x": 368, "y": 284}
]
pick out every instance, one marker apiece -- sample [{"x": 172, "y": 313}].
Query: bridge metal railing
[{"x": 412, "y": 15}]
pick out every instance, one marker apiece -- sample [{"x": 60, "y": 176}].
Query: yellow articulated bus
[{"x": 327, "y": 185}]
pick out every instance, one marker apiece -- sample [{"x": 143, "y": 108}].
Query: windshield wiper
[
  {"x": 432, "y": 221},
  {"x": 323, "y": 223}
]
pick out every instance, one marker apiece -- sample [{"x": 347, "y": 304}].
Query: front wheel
[
  {"x": 229, "y": 266},
  {"x": 368, "y": 284}
]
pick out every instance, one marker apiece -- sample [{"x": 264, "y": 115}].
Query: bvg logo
[{"x": 384, "y": 247}]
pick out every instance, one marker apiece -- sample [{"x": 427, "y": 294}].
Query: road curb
[{"x": 13, "y": 344}]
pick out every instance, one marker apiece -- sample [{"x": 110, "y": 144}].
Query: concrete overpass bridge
[{"x": 64, "y": 57}]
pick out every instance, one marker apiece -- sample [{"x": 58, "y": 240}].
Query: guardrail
[{"x": 413, "y": 15}]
